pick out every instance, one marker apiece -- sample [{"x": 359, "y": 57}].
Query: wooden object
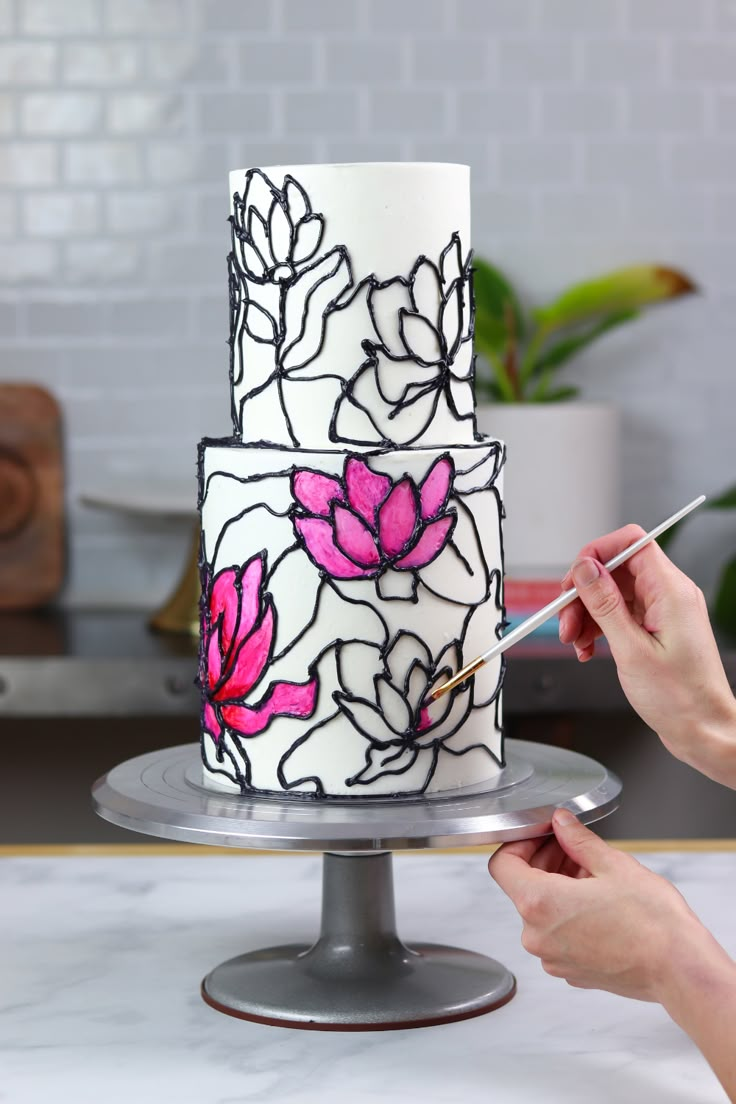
[{"x": 31, "y": 497}]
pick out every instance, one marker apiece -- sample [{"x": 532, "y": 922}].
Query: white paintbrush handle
[{"x": 569, "y": 596}]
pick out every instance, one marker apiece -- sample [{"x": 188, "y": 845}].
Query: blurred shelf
[
  {"x": 104, "y": 663},
  {"x": 101, "y": 663}
]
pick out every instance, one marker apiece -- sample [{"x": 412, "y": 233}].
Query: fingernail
[
  {"x": 564, "y": 817},
  {"x": 585, "y": 572}
]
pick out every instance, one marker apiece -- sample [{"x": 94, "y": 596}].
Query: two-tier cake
[{"x": 351, "y": 528}]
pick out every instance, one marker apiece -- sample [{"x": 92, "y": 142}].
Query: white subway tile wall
[{"x": 598, "y": 134}]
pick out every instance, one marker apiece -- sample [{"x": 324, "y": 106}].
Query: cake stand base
[{"x": 358, "y": 976}]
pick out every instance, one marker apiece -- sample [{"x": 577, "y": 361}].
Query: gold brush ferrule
[{"x": 463, "y": 674}]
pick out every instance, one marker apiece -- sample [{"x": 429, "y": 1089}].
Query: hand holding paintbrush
[{"x": 558, "y": 604}]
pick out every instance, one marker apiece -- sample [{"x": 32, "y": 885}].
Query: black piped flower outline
[
  {"x": 426, "y": 320},
  {"x": 420, "y": 350},
  {"x": 273, "y": 266}
]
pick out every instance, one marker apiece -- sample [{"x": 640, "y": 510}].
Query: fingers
[
  {"x": 610, "y": 544},
  {"x": 550, "y": 858},
  {"x": 513, "y": 874},
  {"x": 582, "y": 847},
  {"x": 607, "y": 607}
]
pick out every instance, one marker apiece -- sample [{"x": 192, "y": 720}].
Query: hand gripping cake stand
[{"x": 358, "y": 975}]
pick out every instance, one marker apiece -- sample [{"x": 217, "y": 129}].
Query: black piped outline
[{"x": 287, "y": 271}]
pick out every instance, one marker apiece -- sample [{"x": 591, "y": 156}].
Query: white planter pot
[{"x": 561, "y": 480}]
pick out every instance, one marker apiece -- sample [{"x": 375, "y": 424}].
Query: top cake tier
[{"x": 351, "y": 311}]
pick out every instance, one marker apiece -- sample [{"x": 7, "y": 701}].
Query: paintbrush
[{"x": 554, "y": 607}]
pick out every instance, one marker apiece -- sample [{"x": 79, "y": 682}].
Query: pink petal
[
  {"x": 284, "y": 699},
  {"x": 211, "y": 723},
  {"x": 250, "y": 659},
  {"x": 355, "y": 538},
  {"x": 224, "y": 600},
  {"x": 429, "y": 544},
  {"x": 319, "y": 539},
  {"x": 397, "y": 518},
  {"x": 214, "y": 660},
  {"x": 436, "y": 487},
  {"x": 315, "y": 492},
  {"x": 366, "y": 490},
  {"x": 425, "y": 721},
  {"x": 250, "y": 600}
]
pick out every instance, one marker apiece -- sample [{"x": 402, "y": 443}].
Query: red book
[{"x": 530, "y": 594}]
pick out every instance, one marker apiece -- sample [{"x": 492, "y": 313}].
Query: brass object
[
  {"x": 180, "y": 611},
  {"x": 463, "y": 673}
]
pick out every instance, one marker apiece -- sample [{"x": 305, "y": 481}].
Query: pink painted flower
[
  {"x": 237, "y": 642},
  {"x": 358, "y": 526}
]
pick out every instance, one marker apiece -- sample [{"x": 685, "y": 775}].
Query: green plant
[
  {"x": 520, "y": 354},
  {"x": 724, "y": 603}
]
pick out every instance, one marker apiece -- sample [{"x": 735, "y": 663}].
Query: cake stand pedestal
[{"x": 358, "y": 975}]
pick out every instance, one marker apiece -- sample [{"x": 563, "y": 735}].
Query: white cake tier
[
  {"x": 339, "y": 589},
  {"x": 351, "y": 305}
]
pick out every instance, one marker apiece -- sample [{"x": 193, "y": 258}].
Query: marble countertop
[{"x": 101, "y": 958}]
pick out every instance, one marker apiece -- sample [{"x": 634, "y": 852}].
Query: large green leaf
[
  {"x": 559, "y": 394},
  {"x": 623, "y": 290},
  {"x": 724, "y": 501},
  {"x": 498, "y": 376},
  {"x": 664, "y": 540},
  {"x": 554, "y": 356},
  {"x": 497, "y": 310},
  {"x": 724, "y": 606}
]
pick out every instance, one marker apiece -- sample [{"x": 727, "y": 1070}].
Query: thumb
[
  {"x": 605, "y": 603},
  {"x": 580, "y": 844}
]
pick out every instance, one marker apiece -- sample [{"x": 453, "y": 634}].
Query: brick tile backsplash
[
  {"x": 49, "y": 17},
  {"x": 625, "y": 61},
  {"x": 492, "y": 16},
  {"x": 673, "y": 15},
  {"x": 278, "y": 62},
  {"x": 27, "y": 63},
  {"x": 100, "y": 64},
  {"x": 321, "y": 113},
  {"x": 580, "y": 111},
  {"x": 535, "y": 61},
  {"x": 6, "y": 16},
  {"x": 28, "y": 164},
  {"x": 60, "y": 113},
  {"x": 598, "y": 133},
  {"x": 54, "y": 215},
  {"x": 146, "y": 16},
  {"x": 327, "y": 15},
  {"x": 452, "y": 58},
  {"x": 351, "y": 61},
  {"x": 414, "y": 16}
]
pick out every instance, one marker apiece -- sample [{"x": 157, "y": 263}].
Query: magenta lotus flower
[
  {"x": 237, "y": 643},
  {"x": 358, "y": 526}
]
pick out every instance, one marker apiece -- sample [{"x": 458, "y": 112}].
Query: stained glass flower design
[
  {"x": 393, "y": 710},
  {"x": 281, "y": 290},
  {"x": 421, "y": 350},
  {"x": 360, "y": 525},
  {"x": 238, "y": 622},
  {"x": 273, "y": 229}
]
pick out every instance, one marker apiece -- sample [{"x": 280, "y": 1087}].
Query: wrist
[
  {"x": 716, "y": 742},
  {"x": 707, "y": 741},
  {"x": 698, "y": 971}
]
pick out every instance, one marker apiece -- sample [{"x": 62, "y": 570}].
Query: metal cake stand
[{"x": 358, "y": 975}]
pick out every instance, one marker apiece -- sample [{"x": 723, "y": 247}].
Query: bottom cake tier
[{"x": 338, "y": 589}]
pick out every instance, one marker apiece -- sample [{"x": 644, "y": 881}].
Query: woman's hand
[
  {"x": 656, "y": 623},
  {"x": 598, "y": 918}
]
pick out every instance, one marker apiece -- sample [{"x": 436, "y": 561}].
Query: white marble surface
[{"x": 101, "y": 960}]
